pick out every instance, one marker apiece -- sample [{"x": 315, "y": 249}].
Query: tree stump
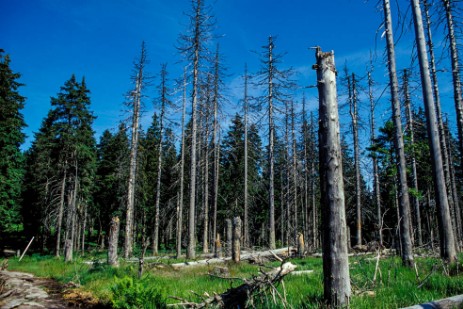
[
  {"x": 218, "y": 247},
  {"x": 113, "y": 241},
  {"x": 236, "y": 248},
  {"x": 228, "y": 246}
]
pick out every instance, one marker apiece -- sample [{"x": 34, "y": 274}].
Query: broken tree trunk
[
  {"x": 236, "y": 247},
  {"x": 229, "y": 227},
  {"x": 336, "y": 278},
  {"x": 218, "y": 247},
  {"x": 113, "y": 241}
]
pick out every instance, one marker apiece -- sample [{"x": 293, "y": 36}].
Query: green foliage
[
  {"x": 11, "y": 158},
  {"x": 62, "y": 160},
  {"x": 130, "y": 293}
]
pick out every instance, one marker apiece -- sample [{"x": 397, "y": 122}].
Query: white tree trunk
[{"x": 336, "y": 278}]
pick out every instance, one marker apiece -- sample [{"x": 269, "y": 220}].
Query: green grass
[{"x": 396, "y": 286}]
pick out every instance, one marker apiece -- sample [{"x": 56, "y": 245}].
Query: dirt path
[{"x": 24, "y": 291}]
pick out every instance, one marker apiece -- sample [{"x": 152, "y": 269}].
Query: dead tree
[
  {"x": 404, "y": 201},
  {"x": 182, "y": 174},
  {"x": 135, "y": 98},
  {"x": 164, "y": 103},
  {"x": 411, "y": 129},
  {"x": 229, "y": 227},
  {"x": 447, "y": 239},
  {"x": 336, "y": 278},
  {"x": 236, "y": 247},
  {"x": 375, "y": 160},
  {"x": 113, "y": 241}
]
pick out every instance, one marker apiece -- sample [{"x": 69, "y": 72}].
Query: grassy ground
[{"x": 394, "y": 287}]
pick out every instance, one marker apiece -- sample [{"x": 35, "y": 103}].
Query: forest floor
[
  {"x": 88, "y": 282},
  {"x": 25, "y": 291}
]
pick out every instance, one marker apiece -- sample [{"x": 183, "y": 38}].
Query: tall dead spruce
[
  {"x": 447, "y": 240},
  {"x": 404, "y": 201},
  {"x": 135, "y": 102},
  {"x": 336, "y": 279}
]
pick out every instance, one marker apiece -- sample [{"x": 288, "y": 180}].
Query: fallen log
[
  {"x": 446, "y": 303},
  {"x": 252, "y": 257},
  {"x": 242, "y": 296}
]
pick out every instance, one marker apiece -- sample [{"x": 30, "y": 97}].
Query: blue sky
[{"x": 49, "y": 40}]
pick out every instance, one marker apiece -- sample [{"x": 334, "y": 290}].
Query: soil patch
[{"x": 24, "y": 291}]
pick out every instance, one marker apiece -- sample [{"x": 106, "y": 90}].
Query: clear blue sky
[{"x": 49, "y": 40}]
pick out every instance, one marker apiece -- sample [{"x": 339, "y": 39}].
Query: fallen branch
[{"x": 241, "y": 296}]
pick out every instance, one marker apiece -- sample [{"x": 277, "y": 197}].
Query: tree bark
[
  {"x": 113, "y": 241},
  {"x": 457, "y": 91},
  {"x": 60, "y": 215},
  {"x": 404, "y": 201},
  {"x": 229, "y": 227},
  {"x": 375, "y": 161},
  {"x": 236, "y": 249},
  {"x": 447, "y": 240},
  {"x": 411, "y": 129},
  {"x": 336, "y": 279},
  {"x": 246, "y": 202},
  {"x": 136, "y": 97},
  {"x": 358, "y": 191},
  {"x": 191, "y": 250},
  {"x": 182, "y": 175},
  {"x": 216, "y": 171},
  {"x": 164, "y": 102},
  {"x": 271, "y": 134}
]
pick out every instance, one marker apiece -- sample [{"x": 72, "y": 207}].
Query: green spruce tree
[{"x": 11, "y": 137}]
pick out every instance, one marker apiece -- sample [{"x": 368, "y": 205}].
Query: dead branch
[{"x": 241, "y": 296}]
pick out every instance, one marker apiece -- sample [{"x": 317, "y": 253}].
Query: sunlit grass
[{"x": 395, "y": 285}]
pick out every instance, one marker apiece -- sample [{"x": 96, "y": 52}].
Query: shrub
[{"x": 132, "y": 293}]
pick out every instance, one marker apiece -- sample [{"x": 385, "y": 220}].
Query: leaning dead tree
[{"x": 336, "y": 278}]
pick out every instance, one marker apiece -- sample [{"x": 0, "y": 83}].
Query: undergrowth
[{"x": 395, "y": 286}]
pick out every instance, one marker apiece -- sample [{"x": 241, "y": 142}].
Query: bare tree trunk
[
  {"x": 136, "y": 97},
  {"x": 113, "y": 241},
  {"x": 305, "y": 195},
  {"x": 358, "y": 191},
  {"x": 458, "y": 223},
  {"x": 84, "y": 226},
  {"x": 295, "y": 174},
  {"x": 416, "y": 202},
  {"x": 336, "y": 278},
  {"x": 375, "y": 161},
  {"x": 271, "y": 189},
  {"x": 457, "y": 92},
  {"x": 246, "y": 202},
  {"x": 182, "y": 175},
  {"x": 206, "y": 186},
  {"x": 229, "y": 227},
  {"x": 191, "y": 250},
  {"x": 236, "y": 250},
  {"x": 315, "y": 222},
  {"x": 60, "y": 215},
  {"x": 453, "y": 202},
  {"x": 404, "y": 201},
  {"x": 216, "y": 171},
  {"x": 447, "y": 240},
  {"x": 286, "y": 183},
  {"x": 164, "y": 102},
  {"x": 70, "y": 221}
]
